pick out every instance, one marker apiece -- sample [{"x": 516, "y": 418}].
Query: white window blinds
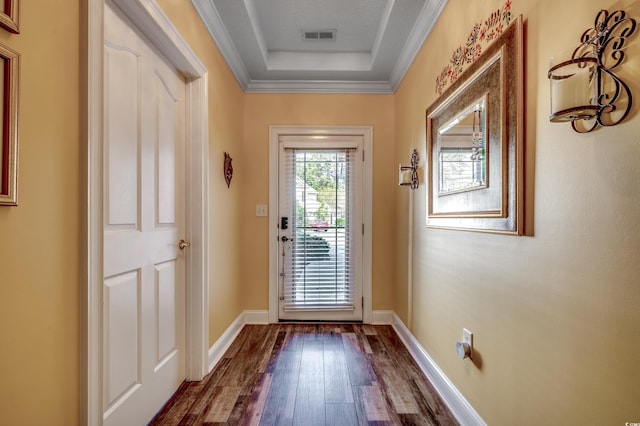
[{"x": 318, "y": 270}]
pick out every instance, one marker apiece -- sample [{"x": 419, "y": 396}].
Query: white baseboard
[
  {"x": 256, "y": 317},
  {"x": 222, "y": 344},
  {"x": 382, "y": 317},
  {"x": 460, "y": 408},
  {"x": 262, "y": 317}
]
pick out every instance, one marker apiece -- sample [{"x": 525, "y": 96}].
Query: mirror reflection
[{"x": 462, "y": 151}]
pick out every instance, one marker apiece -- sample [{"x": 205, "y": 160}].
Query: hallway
[{"x": 310, "y": 374}]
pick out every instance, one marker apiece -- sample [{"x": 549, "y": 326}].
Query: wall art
[
  {"x": 228, "y": 169},
  {"x": 482, "y": 34},
  {"x": 9, "y": 69},
  {"x": 475, "y": 143},
  {"x": 9, "y": 15}
]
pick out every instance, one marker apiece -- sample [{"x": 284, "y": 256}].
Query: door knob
[{"x": 183, "y": 244}]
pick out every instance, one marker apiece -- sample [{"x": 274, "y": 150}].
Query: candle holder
[
  {"x": 584, "y": 89},
  {"x": 409, "y": 174}
]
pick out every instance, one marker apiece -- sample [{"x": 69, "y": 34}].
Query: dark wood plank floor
[{"x": 310, "y": 374}]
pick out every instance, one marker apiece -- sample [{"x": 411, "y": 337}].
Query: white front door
[
  {"x": 321, "y": 228},
  {"x": 143, "y": 323}
]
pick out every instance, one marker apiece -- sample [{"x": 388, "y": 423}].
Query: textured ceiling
[{"x": 375, "y": 42}]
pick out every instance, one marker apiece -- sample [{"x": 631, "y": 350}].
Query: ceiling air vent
[{"x": 327, "y": 35}]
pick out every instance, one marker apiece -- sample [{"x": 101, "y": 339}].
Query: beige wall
[
  {"x": 264, "y": 110},
  {"x": 555, "y": 314},
  {"x": 40, "y": 259},
  {"x": 226, "y": 105},
  {"x": 40, "y": 239}
]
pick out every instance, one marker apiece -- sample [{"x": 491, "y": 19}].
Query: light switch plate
[{"x": 262, "y": 210}]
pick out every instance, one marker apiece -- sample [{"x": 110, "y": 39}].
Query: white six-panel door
[{"x": 144, "y": 273}]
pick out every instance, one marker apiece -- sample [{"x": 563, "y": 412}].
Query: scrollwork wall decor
[
  {"x": 228, "y": 169},
  {"x": 600, "y": 97},
  {"x": 409, "y": 174},
  {"x": 481, "y": 35}
]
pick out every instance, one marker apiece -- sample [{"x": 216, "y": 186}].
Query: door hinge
[
  {"x": 363, "y": 229},
  {"x": 363, "y": 155},
  {"x": 362, "y": 302}
]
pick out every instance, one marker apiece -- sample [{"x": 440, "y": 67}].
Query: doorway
[
  {"x": 103, "y": 287},
  {"x": 143, "y": 328},
  {"x": 320, "y": 251}
]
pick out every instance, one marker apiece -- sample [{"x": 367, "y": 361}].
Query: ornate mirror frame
[{"x": 498, "y": 76}]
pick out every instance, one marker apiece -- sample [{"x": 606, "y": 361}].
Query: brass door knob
[{"x": 183, "y": 244}]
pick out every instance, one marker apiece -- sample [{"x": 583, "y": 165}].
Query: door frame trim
[
  {"x": 366, "y": 132},
  {"x": 153, "y": 23}
]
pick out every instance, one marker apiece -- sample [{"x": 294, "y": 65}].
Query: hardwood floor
[{"x": 310, "y": 374}]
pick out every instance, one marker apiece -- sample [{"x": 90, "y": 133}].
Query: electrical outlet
[
  {"x": 467, "y": 337},
  {"x": 464, "y": 349},
  {"x": 261, "y": 210}
]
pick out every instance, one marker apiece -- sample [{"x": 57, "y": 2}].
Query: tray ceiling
[{"x": 351, "y": 46}]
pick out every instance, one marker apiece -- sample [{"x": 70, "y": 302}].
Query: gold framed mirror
[{"x": 475, "y": 143}]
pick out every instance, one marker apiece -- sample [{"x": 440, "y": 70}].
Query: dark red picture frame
[
  {"x": 9, "y": 17},
  {"x": 10, "y": 64}
]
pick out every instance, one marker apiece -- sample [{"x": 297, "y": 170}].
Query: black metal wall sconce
[
  {"x": 584, "y": 89},
  {"x": 409, "y": 174}
]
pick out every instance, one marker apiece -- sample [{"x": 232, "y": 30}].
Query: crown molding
[
  {"x": 213, "y": 22},
  {"x": 425, "y": 23},
  {"x": 217, "y": 30},
  {"x": 316, "y": 86}
]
